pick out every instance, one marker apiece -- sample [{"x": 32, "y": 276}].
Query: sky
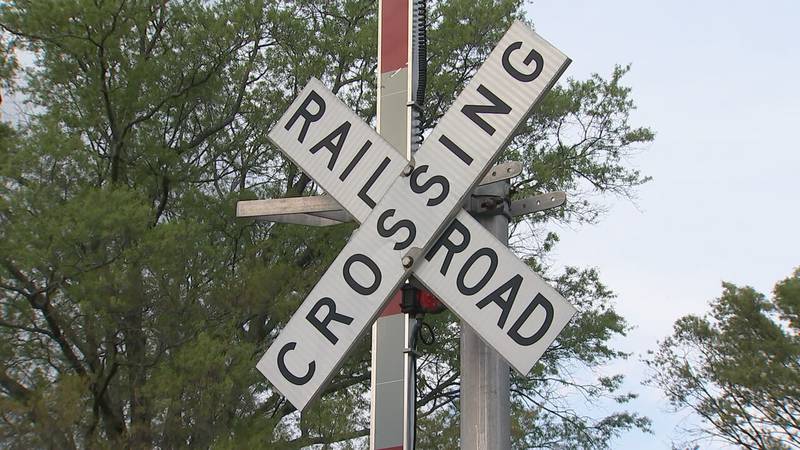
[{"x": 718, "y": 83}]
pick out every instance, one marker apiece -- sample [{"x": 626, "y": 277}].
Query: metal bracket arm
[
  {"x": 323, "y": 210},
  {"x": 537, "y": 203}
]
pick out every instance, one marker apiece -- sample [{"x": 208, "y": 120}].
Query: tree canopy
[
  {"x": 738, "y": 367},
  {"x": 133, "y": 305}
]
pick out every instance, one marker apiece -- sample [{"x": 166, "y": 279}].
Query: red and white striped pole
[{"x": 391, "y": 425}]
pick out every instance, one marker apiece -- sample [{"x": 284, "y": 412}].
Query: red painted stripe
[
  {"x": 399, "y": 447},
  {"x": 393, "y": 307},
  {"x": 394, "y": 39}
]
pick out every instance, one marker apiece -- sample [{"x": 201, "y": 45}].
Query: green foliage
[
  {"x": 133, "y": 305},
  {"x": 578, "y": 142},
  {"x": 739, "y": 366}
]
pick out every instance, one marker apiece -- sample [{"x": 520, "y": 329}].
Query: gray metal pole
[
  {"x": 485, "y": 376},
  {"x": 409, "y": 386},
  {"x": 390, "y": 421}
]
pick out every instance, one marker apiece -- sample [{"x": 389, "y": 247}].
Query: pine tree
[{"x": 738, "y": 367}]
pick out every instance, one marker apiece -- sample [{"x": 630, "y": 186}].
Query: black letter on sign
[
  {"x": 363, "y": 193},
  {"x": 532, "y": 56},
  {"x": 462, "y": 155},
  {"x": 292, "y": 378},
  {"x": 548, "y": 320},
  {"x": 452, "y": 247},
  {"x": 405, "y": 223},
  {"x": 356, "y": 160},
  {"x": 436, "y": 179},
  {"x": 505, "y": 304},
  {"x": 463, "y": 288},
  {"x": 497, "y": 107},
  {"x": 376, "y": 272},
  {"x": 307, "y": 115},
  {"x": 340, "y": 134},
  {"x": 322, "y": 325}
]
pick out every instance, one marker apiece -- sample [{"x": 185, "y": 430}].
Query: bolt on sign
[{"x": 412, "y": 221}]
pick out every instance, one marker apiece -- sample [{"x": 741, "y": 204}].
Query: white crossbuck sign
[{"x": 412, "y": 221}]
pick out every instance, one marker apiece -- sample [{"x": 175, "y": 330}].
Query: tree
[
  {"x": 8, "y": 64},
  {"x": 133, "y": 305},
  {"x": 738, "y": 367}
]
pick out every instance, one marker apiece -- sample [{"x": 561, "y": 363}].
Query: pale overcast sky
[{"x": 718, "y": 82}]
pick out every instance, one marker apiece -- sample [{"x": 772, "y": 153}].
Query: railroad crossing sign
[{"x": 412, "y": 222}]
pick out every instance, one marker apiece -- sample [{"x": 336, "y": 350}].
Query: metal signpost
[
  {"x": 412, "y": 221},
  {"x": 391, "y": 332},
  {"x": 485, "y": 397}
]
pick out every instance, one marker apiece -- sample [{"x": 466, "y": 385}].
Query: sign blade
[
  {"x": 480, "y": 280},
  {"x": 337, "y": 149}
]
